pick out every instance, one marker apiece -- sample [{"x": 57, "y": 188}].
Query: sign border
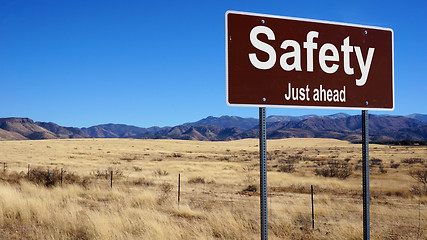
[{"x": 304, "y": 20}]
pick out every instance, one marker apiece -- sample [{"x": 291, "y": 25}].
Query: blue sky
[{"x": 162, "y": 63}]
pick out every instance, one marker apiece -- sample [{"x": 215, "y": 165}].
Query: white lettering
[
  {"x": 347, "y": 49},
  {"x": 296, "y": 55},
  {"x": 323, "y": 58},
  {"x": 310, "y": 45},
  {"x": 263, "y": 47},
  {"x": 288, "y": 96},
  {"x": 328, "y": 95},
  {"x": 342, "y": 95},
  {"x": 364, "y": 66},
  {"x": 296, "y": 94},
  {"x": 329, "y": 58}
]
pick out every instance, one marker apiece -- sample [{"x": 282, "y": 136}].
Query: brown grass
[{"x": 219, "y": 184}]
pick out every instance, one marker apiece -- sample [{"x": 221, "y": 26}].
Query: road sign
[{"x": 274, "y": 61}]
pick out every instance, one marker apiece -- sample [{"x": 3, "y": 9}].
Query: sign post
[
  {"x": 276, "y": 61},
  {"x": 263, "y": 172},
  {"x": 365, "y": 174}
]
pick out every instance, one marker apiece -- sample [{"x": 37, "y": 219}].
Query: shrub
[
  {"x": 303, "y": 221},
  {"x": 100, "y": 173},
  {"x": 375, "y": 161},
  {"x": 129, "y": 158},
  {"x": 419, "y": 190},
  {"x": 419, "y": 175},
  {"x": 394, "y": 165},
  {"x": 160, "y": 173},
  {"x": 49, "y": 177},
  {"x": 196, "y": 180},
  {"x": 142, "y": 182},
  {"x": 294, "y": 158},
  {"x": 70, "y": 178},
  {"x": 382, "y": 170},
  {"x": 335, "y": 168},
  {"x": 116, "y": 172},
  {"x": 42, "y": 177},
  {"x": 106, "y": 173},
  {"x": 251, "y": 188},
  {"x": 137, "y": 169},
  {"x": 165, "y": 189},
  {"x": 413, "y": 161},
  {"x": 287, "y": 168},
  {"x": 12, "y": 177}
]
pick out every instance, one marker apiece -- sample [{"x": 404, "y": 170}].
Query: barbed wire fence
[{"x": 328, "y": 214}]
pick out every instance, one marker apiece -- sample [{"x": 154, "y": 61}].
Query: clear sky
[{"x": 162, "y": 63}]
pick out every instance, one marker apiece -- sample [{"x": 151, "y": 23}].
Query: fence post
[
  {"x": 111, "y": 183},
  {"x": 419, "y": 219},
  {"x": 179, "y": 188},
  {"x": 312, "y": 207},
  {"x": 4, "y": 167},
  {"x": 48, "y": 178},
  {"x": 61, "y": 176},
  {"x": 28, "y": 173}
]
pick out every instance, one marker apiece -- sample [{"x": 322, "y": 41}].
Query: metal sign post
[
  {"x": 365, "y": 174},
  {"x": 263, "y": 172}
]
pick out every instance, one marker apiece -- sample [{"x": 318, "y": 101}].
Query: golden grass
[{"x": 143, "y": 201}]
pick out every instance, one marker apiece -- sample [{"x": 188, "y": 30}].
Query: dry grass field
[{"x": 219, "y": 189}]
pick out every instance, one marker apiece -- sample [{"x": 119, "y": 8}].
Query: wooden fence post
[
  {"x": 111, "y": 183},
  {"x": 312, "y": 207},
  {"x": 179, "y": 188}
]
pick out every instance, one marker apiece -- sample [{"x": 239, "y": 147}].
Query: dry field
[{"x": 219, "y": 190}]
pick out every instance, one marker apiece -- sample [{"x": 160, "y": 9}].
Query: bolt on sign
[{"x": 274, "y": 61}]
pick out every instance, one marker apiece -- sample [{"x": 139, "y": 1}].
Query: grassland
[{"x": 219, "y": 184}]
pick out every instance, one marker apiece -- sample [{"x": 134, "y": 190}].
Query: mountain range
[{"x": 382, "y": 128}]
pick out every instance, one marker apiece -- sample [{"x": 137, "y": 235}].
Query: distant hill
[
  {"x": 342, "y": 126},
  {"x": 23, "y": 128},
  {"x": 227, "y": 122},
  {"x": 63, "y": 132},
  {"x": 7, "y": 135},
  {"x": 421, "y": 117},
  {"x": 275, "y": 118},
  {"x": 117, "y": 131},
  {"x": 349, "y": 128}
]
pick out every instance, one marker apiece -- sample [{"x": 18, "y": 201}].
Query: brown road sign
[{"x": 274, "y": 61}]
